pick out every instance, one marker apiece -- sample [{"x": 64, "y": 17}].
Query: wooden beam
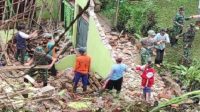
[{"x": 10, "y": 68}]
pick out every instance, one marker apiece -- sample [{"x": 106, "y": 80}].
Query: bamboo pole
[
  {"x": 39, "y": 16},
  {"x": 33, "y": 13},
  {"x": 31, "y": 3},
  {"x": 25, "y": 8},
  {"x": 9, "y": 68},
  {"x": 12, "y": 4},
  {"x": 4, "y": 11}
]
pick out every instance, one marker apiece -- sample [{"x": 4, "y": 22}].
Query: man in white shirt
[
  {"x": 21, "y": 41},
  {"x": 160, "y": 40}
]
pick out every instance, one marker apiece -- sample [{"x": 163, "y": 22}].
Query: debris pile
[
  {"x": 16, "y": 94},
  {"x": 124, "y": 47}
]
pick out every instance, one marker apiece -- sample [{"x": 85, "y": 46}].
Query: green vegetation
[
  {"x": 177, "y": 100},
  {"x": 188, "y": 76},
  {"x": 133, "y": 14}
]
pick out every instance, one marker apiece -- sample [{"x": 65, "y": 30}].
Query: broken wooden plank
[{"x": 10, "y": 68}]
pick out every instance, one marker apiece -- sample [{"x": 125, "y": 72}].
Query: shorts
[
  {"x": 146, "y": 90},
  {"x": 116, "y": 84}
]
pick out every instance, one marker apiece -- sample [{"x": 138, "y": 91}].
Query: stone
[{"x": 47, "y": 89}]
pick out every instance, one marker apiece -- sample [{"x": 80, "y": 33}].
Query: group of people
[
  {"x": 39, "y": 57},
  {"x": 153, "y": 43},
  {"x": 82, "y": 65},
  {"x": 156, "y": 42}
]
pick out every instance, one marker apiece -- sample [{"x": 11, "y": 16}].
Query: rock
[
  {"x": 114, "y": 38},
  {"x": 46, "y": 90}
]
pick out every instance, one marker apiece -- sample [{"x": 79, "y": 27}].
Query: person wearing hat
[
  {"x": 160, "y": 40},
  {"x": 40, "y": 58},
  {"x": 149, "y": 41},
  {"x": 144, "y": 52},
  {"x": 188, "y": 38},
  {"x": 82, "y": 69},
  {"x": 21, "y": 41},
  {"x": 178, "y": 25},
  {"x": 147, "y": 77}
]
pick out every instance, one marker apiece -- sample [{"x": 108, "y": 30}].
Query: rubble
[{"x": 123, "y": 47}]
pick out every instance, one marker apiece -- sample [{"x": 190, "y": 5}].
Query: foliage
[
  {"x": 189, "y": 76},
  {"x": 177, "y": 100},
  {"x": 131, "y": 14}
]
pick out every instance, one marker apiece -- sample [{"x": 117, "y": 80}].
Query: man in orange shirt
[{"x": 82, "y": 69}]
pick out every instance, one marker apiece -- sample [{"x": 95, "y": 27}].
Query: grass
[{"x": 166, "y": 10}]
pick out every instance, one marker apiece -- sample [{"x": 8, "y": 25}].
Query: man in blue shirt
[{"x": 116, "y": 76}]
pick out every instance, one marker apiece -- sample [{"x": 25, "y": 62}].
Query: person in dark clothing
[
  {"x": 188, "y": 38},
  {"x": 40, "y": 58},
  {"x": 21, "y": 42}
]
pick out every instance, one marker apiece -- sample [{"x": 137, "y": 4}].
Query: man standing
[
  {"x": 160, "y": 40},
  {"x": 40, "y": 58},
  {"x": 178, "y": 25},
  {"x": 188, "y": 38},
  {"x": 149, "y": 41},
  {"x": 116, "y": 76},
  {"x": 144, "y": 53},
  {"x": 21, "y": 41},
  {"x": 82, "y": 69}
]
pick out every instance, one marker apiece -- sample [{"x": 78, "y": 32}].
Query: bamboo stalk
[
  {"x": 33, "y": 13},
  {"x": 24, "y": 8},
  {"x": 39, "y": 16},
  {"x": 12, "y": 4},
  {"x": 4, "y": 9},
  {"x": 8, "y": 68},
  {"x": 30, "y": 12}
]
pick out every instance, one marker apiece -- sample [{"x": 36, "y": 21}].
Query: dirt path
[{"x": 123, "y": 47}]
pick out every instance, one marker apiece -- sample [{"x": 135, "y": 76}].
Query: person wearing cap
[
  {"x": 40, "y": 58},
  {"x": 178, "y": 25},
  {"x": 160, "y": 40},
  {"x": 149, "y": 41},
  {"x": 188, "y": 38},
  {"x": 82, "y": 69},
  {"x": 21, "y": 41},
  {"x": 115, "y": 78},
  {"x": 147, "y": 77},
  {"x": 144, "y": 52}
]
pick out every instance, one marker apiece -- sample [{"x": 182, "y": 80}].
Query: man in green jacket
[{"x": 178, "y": 25}]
